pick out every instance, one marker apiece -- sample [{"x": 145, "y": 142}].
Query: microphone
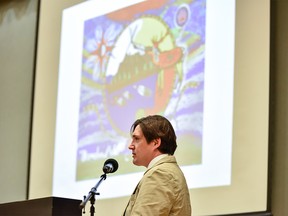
[{"x": 110, "y": 166}]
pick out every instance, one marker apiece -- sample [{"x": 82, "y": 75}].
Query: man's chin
[{"x": 136, "y": 163}]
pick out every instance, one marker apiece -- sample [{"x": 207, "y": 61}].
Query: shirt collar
[{"x": 155, "y": 160}]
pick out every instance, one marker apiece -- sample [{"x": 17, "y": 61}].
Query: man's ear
[{"x": 157, "y": 143}]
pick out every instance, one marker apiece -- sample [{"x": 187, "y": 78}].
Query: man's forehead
[{"x": 137, "y": 131}]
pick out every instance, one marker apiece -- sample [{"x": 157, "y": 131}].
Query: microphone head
[{"x": 110, "y": 166}]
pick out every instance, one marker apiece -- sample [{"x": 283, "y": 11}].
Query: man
[{"x": 162, "y": 190}]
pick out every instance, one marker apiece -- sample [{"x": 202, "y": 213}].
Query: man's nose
[{"x": 130, "y": 146}]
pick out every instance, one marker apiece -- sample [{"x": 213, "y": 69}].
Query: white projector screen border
[{"x": 217, "y": 123}]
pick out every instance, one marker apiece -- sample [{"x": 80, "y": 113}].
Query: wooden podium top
[{"x": 49, "y": 206}]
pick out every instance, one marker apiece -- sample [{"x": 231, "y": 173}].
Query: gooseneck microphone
[{"x": 110, "y": 166}]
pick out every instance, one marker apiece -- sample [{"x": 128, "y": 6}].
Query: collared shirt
[{"x": 156, "y": 159}]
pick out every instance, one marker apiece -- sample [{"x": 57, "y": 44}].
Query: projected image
[{"x": 141, "y": 60}]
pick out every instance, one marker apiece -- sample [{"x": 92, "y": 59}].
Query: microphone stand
[{"x": 91, "y": 196}]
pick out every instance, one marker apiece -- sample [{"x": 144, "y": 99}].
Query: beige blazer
[{"x": 161, "y": 192}]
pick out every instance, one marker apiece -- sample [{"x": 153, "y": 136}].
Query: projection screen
[{"x": 191, "y": 61}]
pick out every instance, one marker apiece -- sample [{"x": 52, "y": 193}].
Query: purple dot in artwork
[{"x": 182, "y": 15}]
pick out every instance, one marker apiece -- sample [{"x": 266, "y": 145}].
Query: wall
[
  {"x": 17, "y": 49},
  {"x": 278, "y": 108},
  {"x": 44, "y": 115}
]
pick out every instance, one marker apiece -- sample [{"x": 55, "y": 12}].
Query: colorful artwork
[{"x": 146, "y": 59}]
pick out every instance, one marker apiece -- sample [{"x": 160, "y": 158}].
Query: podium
[{"x": 49, "y": 206}]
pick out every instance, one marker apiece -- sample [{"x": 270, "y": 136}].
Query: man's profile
[{"x": 163, "y": 189}]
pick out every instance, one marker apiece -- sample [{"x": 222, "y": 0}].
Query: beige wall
[
  {"x": 44, "y": 115},
  {"x": 17, "y": 48}
]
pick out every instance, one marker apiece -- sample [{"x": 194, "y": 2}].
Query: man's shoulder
[{"x": 166, "y": 164}]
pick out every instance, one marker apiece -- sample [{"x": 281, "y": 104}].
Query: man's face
[{"x": 142, "y": 152}]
